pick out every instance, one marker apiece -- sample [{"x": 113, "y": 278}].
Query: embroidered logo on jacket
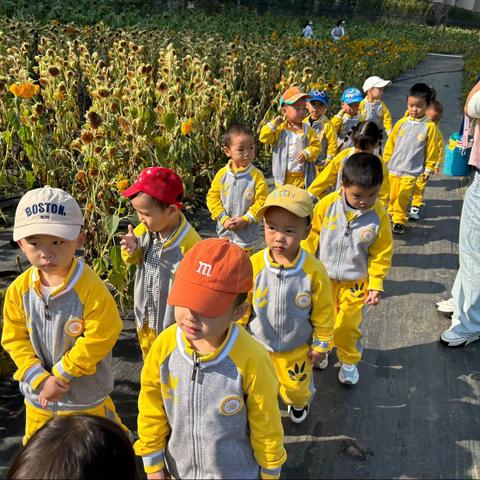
[
  {"x": 74, "y": 327},
  {"x": 249, "y": 193},
  {"x": 421, "y": 137},
  {"x": 330, "y": 222},
  {"x": 168, "y": 389},
  {"x": 231, "y": 405},
  {"x": 303, "y": 300},
  {"x": 298, "y": 373},
  {"x": 367, "y": 234},
  {"x": 260, "y": 298}
]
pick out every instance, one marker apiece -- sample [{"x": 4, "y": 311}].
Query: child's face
[
  {"x": 316, "y": 109},
  {"x": 296, "y": 112},
  {"x": 241, "y": 150},
  {"x": 361, "y": 198},
  {"x": 283, "y": 233},
  {"x": 375, "y": 93},
  {"x": 416, "y": 107},
  {"x": 53, "y": 256},
  {"x": 433, "y": 115},
  {"x": 200, "y": 329},
  {"x": 152, "y": 215},
  {"x": 350, "y": 108}
]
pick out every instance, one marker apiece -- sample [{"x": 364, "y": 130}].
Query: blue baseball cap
[
  {"x": 319, "y": 96},
  {"x": 352, "y": 95}
]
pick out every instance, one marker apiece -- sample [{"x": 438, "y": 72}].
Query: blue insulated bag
[{"x": 458, "y": 151}]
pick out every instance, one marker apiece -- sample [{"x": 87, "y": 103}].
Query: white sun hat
[{"x": 375, "y": 81}]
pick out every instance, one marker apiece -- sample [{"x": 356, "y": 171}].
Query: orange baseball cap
[
  {"x": 210, "y": 277},
  {"x": 291, "y": 95}
]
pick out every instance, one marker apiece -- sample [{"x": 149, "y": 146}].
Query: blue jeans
[{"x": 466, "y": 289}]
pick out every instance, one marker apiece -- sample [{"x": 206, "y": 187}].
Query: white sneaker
[
  {"x": 414, "y": 213},
  {"x": 451, "y": 339},
  {"x": 348, "y": 374},
  {"x": 323, "y": 364},
  {"x": 446, "y": 306},
  {"x": 298, "y": 415}
]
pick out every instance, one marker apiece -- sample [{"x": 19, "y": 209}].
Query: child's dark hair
[
  {"x": 424, "y": 91},
  {"x": 437, "y": 106},
  {"x": 76, "y": 446},
  {"x": 366, "y": 134},
  {"x": 362, "y": 170},
  {"x": 233, "y": 130},
  {"x": 241, "y": 297},
  {"x": 339, "y": 22}
]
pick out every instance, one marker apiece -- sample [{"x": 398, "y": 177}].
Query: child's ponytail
[{"x": 366, "y": 135}]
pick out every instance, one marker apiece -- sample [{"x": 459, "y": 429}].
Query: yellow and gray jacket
[
  {"x": 237, "y": 193},
  {"x": 412, "y": 147},
  {"x": 171, "y": 254},
  {"x": 352, "y": 246},
  {"x": 70, "y": 335},
  {"x": 327, "y": 136},
  {"x": 278, "y": 137},
  {"x": 210, "y": 416},
  {"x": 376, "y": 112},
  {"x": 290, "y": 305},
  {"x": 343, "y": 123}
]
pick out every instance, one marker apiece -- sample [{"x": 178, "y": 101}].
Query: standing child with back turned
[
  {"x": 60, "y": 320},
  {"x": 238, "y": 190},
  {"x": 156, "y": 246},
  {"x": 295, "y": 144},
  {"x": 411, "y": 152}
]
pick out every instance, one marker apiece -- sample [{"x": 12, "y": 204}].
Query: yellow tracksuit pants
[
  {"x": 294, "y": 373},
  {"x": 401, "y": 189},
  {"x": 384, "y": 194},
  {"x": 146, "y": 337},
  {"x": 348, "y": 304},
  {"x": 418, "y": 191},
  {"x": 37, "y": 417},
  {"x": 296, "y": 179}
]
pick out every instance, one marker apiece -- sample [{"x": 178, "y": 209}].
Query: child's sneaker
[
  {"x": 298, "y": 415},
  {"x": 398, "y": 228},
  {"x": 348, "y": 374},
  {"x": 414, "y": 213},
  {"x": 446, "y": 306},
  {"x": 451, "y": 339},
  {"x": 323, "y": 364}
]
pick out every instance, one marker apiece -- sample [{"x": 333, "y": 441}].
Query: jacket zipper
[
  {"x": 342, "y": 250},
  {"x": 195, "y": 410},
  {"x": 279, "y": 302}
]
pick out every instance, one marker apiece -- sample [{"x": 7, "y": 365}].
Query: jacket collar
[
  {"x": 238, "y": 172},
  {"x": 288, "y": 270}
]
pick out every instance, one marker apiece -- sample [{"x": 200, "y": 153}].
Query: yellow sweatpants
[
  {"x": 37, "y": 417},
  {"x": 384, "y": 194},
  {"x": 401, "y": 189},
  {"x": 296, "y": 179},
  {"x": 418, "y": 191},
  {"x": 146, "y": 337},
  {"x": 294, "y": 373},
  {"x": 348, "y": 303}
]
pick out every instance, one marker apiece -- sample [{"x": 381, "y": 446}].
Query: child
[
  {"x": 307, "y": 31},
  {"x": 372, "y": 108},
  {"x": 291, "y": 304},
  {"x": 208, "y": 400},
  {"x": 76, "y": 446},
  {"x": 60, "y": 320},
  {"x": 347, "y": 117},
  {"x": 411, "y": 151},
  {"x": 434, "y": 114},
  {"x": 295, "y": 144},
  {"x": 317, "y": 105},
  {"x": 351, "y": 236},
  {"x": 338, "y": 32},
  {"x": 238, "y": 190},
  {"x": 156, "y": 245},
  {"x": 366, "y": 138}
]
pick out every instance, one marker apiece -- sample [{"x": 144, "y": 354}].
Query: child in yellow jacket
[
  {"x": 411, "y": 152},
  {"x": 60, "y": 320},
  {"x": 208, "y": 400},
  {"x": 238, "y": 190},
  {"x": 366, "y": 138},
  {"x": 295, "y": 144},
  {"x": 433, "y": 113},
  {"x": 291, "y": 306},
  {"x": 317, "y": 102},
  {"x": 351, "y": 236},
  {"x": 156, "y": 246}
]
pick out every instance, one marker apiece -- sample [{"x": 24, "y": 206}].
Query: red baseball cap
[
  {"x": 210, "y": 277},
  {"x": 160, "y": 183}
]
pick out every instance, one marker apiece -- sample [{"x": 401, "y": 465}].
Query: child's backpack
[{"x": 458, "y": 151}]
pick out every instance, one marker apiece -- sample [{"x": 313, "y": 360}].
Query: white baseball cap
[
  {"x": 375, "y": 81},
  {"x": 47, "y": 211}
]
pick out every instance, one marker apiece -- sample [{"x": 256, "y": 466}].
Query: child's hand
[
  {"x": 300, "y": 157},
  {"x": 238, "y": 223},
  {"x": 129, "y": 241},
  {"x": 157, "y": 475},
  {"x": 228, "y": 224},
  {"x": 373, "y": 297},
  {"x": 316, "y": 357},
  {"x": 278, "y": 120},
  {"x": 436, "y": 171},
  {"x": 52, "y": 389}
]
